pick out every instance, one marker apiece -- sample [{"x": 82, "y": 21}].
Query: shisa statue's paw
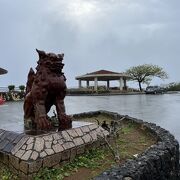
[{"x": 43, "y": 123}]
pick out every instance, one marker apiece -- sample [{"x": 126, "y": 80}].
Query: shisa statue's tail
[{"x": 30, "y": 80}]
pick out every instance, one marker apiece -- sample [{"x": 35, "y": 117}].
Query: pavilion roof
[
  {"x": 103, "y": 72},
  {"x": 102, "y": 75},
  {"x": 3, "y": 71}
]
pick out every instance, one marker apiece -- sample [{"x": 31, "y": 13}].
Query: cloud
[{"x": 96, "y": 34}]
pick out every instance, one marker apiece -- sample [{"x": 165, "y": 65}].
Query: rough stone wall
[{"x": 159, "y": 162}]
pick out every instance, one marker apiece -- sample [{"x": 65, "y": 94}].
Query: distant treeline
[{"x": 174, "y": 87}]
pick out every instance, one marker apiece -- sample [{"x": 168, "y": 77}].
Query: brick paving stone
[
  {"x": 39, "y": 144},
  {"x": 72, "y": 133},
  {"x": 19, "y": 144},
  {"x": 93, "y": 134},
  {"x": 79, "y": 132},
  {"x": 100, "y": 135},
  {"x": 1, "y": 130},
  {"x": 68, "y": 145},
  {"x": 57, "y": 136},
  {"x": 34, "y": 155},
  {"x": 78, "y": 141},
  {"x": 30, "y": 140},
  {"x": 87, "y": 138},
  {"x": 3, "y": 143},
  {"x": 61, "y": 141},
  {"x": 106, "y": 133},
  {"x": 29, "y": 146},
  {"x": 26, "y": 155},
  {"x": 1, "y": 134},
  {"x": 43, "y": 154},
  {"x": 23, "y": 166},
  {"x": 98, "y": 130},
  {"x": 18, "y": 138},
  {"x": 66, "y": 136},
  {"x": 101, "y": 132},
  {"x": 93, "y": 126},
  {"x": 14, "y": 161},
  {"x": 49, "y": 151},
  {"x": 8, "y": 147},
  {"x": 35, "y": 166},
  {"x": 5, "y": 134},
  {"x": 12, "y": 136},
  {"x": 51, "y": 161},
  {"x": 48, "y": 144},
  {"x": 85, "y": 129},
  {"x": 24, "y": 147},
  {"x": 54, "y": 142},
  {"x": 20, "y": 153},
  {"x": 57, "y": 148},
  {"x": 48, "y": 138}
]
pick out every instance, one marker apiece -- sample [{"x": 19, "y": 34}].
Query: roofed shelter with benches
[
  {"x": 3, "y": 71},
  {"x": 103, "y": 75}
]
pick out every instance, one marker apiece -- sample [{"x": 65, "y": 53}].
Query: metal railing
[{"x": 5, "y": 89}]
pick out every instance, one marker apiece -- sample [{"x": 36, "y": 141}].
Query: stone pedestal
[{"x": 26, "y": 154}]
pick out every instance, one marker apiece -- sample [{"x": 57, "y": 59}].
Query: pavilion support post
[
  {"x": 95, "y": 83},
  {"x": 108, "y": 84},
  {"x": 121, "y": 84},
  {"x": 87, "y": 84},
  {"x": 80, "y": 84},
  {"x": 125, "y": 85}
]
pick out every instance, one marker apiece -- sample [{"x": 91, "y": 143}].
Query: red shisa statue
[{"x": 45, "y": 88}]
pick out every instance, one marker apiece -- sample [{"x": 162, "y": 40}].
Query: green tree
[
  {"x": 22, "y": 87},
  {"x": 174, "y": 87},
  {"x": 11, "y": 87},
  {"x": 145, "y": 73}
]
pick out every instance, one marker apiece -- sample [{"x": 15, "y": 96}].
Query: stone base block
[{"x": 25, "y": 154}]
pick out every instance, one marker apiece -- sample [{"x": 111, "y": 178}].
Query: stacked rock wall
[{"x": 159, "y": 162}]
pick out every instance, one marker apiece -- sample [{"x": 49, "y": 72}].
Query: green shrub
[
  {"x": 22, "y": 87},
  {"x": 174, "y": 87},
  {"x": 11, "y": 87}
]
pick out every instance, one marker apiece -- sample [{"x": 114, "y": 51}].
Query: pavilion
[
  {"x": 3, "y": 71},
  {"x": 103, "y": 75}
]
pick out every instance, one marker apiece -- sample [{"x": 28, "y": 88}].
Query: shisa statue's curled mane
[{"x": 45, "y": 88}]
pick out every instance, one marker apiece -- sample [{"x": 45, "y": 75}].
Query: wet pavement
[{"x": 160, "y": 109}]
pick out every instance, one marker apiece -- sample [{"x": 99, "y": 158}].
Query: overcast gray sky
[{"x": 93, "y": 34}]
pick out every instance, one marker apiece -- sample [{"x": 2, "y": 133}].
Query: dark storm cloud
[{"x": 102, "y": 34}]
